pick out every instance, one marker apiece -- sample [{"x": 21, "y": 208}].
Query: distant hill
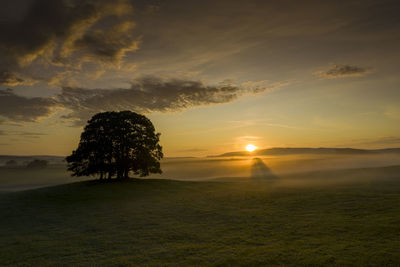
[{"x": 306, "y": 150}]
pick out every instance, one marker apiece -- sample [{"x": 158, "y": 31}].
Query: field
[{"x": 337, "y": 217}]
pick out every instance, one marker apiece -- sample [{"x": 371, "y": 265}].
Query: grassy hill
[{"x": 347, "y": 217}]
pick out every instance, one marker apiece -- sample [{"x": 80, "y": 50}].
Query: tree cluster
[
  {"x": 11, "y": 163},
  {"x": 37, "y": 164},
  {"x": 114, "y": 144}
]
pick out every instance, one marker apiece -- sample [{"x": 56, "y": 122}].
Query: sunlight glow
[{"x": 251, "y": 147}]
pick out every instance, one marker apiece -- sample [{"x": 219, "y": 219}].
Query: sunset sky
[{"x": 212, "y": 75}]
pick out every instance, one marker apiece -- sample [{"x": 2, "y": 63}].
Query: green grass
[{"x": 354, "y": 221}]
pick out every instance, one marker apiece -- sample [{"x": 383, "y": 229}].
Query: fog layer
[{"x": 298, "y": 168}]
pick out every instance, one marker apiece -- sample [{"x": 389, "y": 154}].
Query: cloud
[
  {"x": 147, "y": 94},
  {"x": 109, "y": 45},
  {"x": 392, "y": 112},
  {"x": 19, "y": 108},
  {"x": 248, "y": 138},
  {"x": 22, "y": 134},
  {"x": 343, "y": 70},
  {"x": 193, "y": 150},
  {"x": 65, "y": 34},
  {"x": 151, "y": 94},
  {"x": 11, "y": 79},
  {"x": 387, "y": 141}
]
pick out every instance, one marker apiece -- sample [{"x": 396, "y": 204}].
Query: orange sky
[{"x": 213, "y": 76}]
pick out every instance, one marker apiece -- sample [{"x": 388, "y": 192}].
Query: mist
[
  {"x": 286, "y": 170},
  {"x": 209, "y": 168}
]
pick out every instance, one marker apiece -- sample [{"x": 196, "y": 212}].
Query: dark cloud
[
  {"x": 150, "y": 94},
  {"x": 108, "y": 45},
  {"x": 340, "y": 71},
  {"x": 12, "y": 79},
  {"x": 147, "y": 94},
  {"x": 217, "y": 38},
  {"x": 45, "y": 22},
  {"x": 19, "y": 108},
  {"x": 65, "y": 34}
]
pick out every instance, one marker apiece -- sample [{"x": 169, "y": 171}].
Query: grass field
[{"x": 342, "y": 217}]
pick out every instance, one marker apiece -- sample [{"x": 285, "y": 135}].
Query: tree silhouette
[
  {"x": 11, "y": 163},
  {"x": 117, "y": 143},
  {"x": 37, "y": 164}
]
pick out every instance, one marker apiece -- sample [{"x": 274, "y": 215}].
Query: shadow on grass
[{"x": 260, "y": 171}]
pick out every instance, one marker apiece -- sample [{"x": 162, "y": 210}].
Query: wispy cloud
[
  {"x": 387, "y": 141},
  {"x": 342, "y": 71},
  {"x": 24, "y": 134},
  {"x": 392, "y": 112},
  {"x": 189, "y": 150},
  {"x": 248, "y": 138}
]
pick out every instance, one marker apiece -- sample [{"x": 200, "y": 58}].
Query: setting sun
[{"x": 251, "y": 148}]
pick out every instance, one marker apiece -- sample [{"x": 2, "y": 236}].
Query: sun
[{"x": 251, "y": 147}]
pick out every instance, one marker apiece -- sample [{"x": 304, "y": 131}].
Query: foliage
[
  {"x": 37, "y": 164},
  {"x": 117, "y": 143},
  {"x": 11, "y": 163}
]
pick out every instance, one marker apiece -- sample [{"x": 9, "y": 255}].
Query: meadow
[{"x": 325, "y": 217}]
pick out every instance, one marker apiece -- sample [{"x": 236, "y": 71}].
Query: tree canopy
[{"x": 116, "y": 144}]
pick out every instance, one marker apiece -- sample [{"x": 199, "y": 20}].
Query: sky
[{"x": 212, "y": 75}]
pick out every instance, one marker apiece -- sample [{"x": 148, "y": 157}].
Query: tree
[
  {"x": 11, "y": 163},
  {"x": 116, "y": 144},
  {"x": 37, "y": 164}
]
